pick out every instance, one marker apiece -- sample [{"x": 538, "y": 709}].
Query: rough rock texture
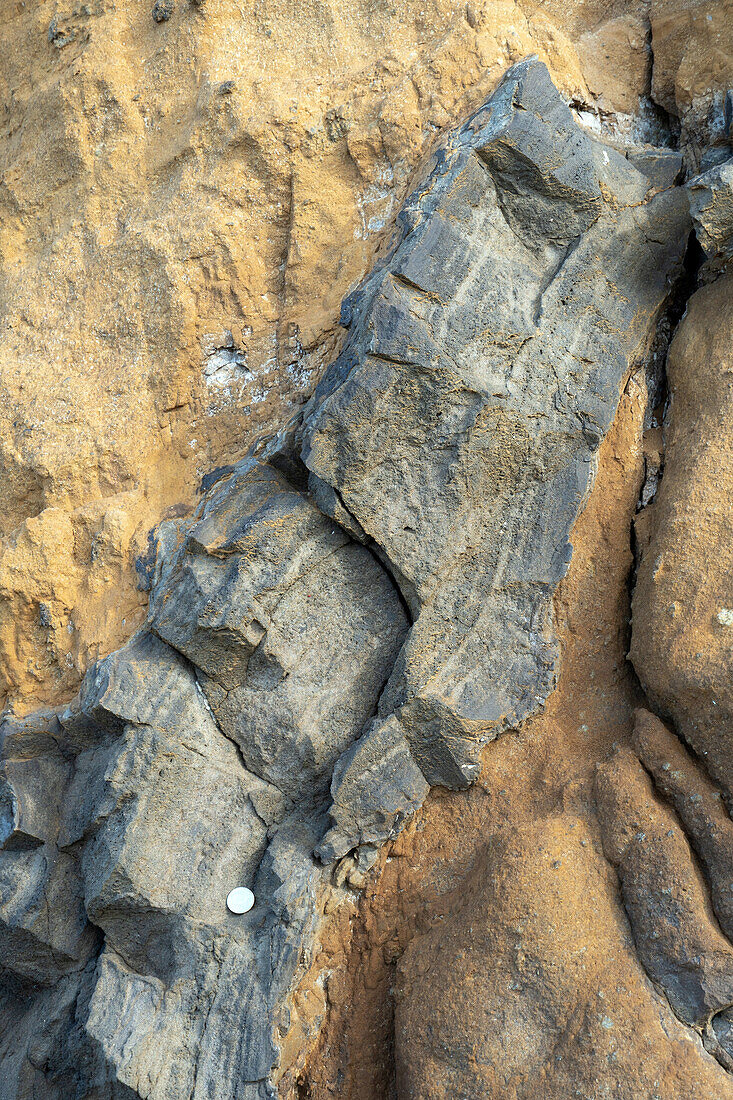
[
  {"x": 443, "y": 892},
  {"x": 711, "y": 206},
  {"x": 431, "y": 553},
  {"x": 176, "y": 244},
  {"x": 541, "y": 991},
  {"x": 693, "y": 72},
  {"x": 518, "y": 295},
  {"x": 683, "y": 618},
  {"x": 483, "y": 368}
]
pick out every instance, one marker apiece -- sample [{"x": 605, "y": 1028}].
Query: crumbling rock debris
[{"x": 315, "y": 660}]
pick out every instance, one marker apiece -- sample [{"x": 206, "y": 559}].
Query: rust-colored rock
[
  {"x": 532, "y": 985},
  {"x": 683, "y": 600}
]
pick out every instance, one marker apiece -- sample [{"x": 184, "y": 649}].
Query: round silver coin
[{"x": 240, "y": 900}]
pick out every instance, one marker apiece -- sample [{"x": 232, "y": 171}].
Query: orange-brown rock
[
  {"x": 693, "y": 66},
  {"x": 532, "y": 986},
  {"x": 683, "y": 601},
  {"x": 698, "y": 804}
]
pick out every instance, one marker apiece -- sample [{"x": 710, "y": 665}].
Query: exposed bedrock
[
  {"x": 460, "y": 425},
  {"x": 352, "y": 614},
  {"x": 683, "y": 600},
  {"x": 531, "y": 986}
]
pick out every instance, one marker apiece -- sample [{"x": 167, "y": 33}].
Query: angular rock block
[
  {"x": 460, "y": 424},
  {"x": 293, "y": 626}
]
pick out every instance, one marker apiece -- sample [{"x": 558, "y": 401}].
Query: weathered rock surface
[
  {"x": 169, "y": 284},
  {"x": 532, "y": 986},
  {"x": 698, "y": 805},
  {"x": 460, "y": 424},
  {"x": 683, "y": 625},
  {"x": 433, "y": 898},
  {"x": 293, "y": 626},
  {"x": 355, "y": 610},
  {"x": 711, "y": 206},
  {"x": 693, "y": 72},
  {"x": 678, "y": 942},
  {"x": 174, "y": 248}
]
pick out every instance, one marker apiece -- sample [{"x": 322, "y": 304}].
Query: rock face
[
  {"x": 681, "y": 644},
  {"x": 354, "y": 611},
  {"x": 483, "y": 368},
  {"x": 490, "y": 897},
  {"x": 173, "y": 254},
  {"x": 175, "y": 247}
]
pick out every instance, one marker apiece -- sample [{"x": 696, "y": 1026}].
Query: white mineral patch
[
  {"x": 240, "y": 900},
  {"x": 725, "y": 616},
  {"x": 225, "y": 367}
]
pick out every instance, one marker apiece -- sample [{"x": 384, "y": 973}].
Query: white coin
[{"x": 240, "y": 900}]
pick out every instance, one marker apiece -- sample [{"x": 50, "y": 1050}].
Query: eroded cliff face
[
  {"x": 185, "y": 201},
  {"x": 381, "y": 679}
]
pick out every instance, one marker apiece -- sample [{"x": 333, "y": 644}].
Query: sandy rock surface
[
  {"x": 682, "y": 635},
  {"x": 175, "y": 246}
]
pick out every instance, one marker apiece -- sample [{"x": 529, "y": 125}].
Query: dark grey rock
[
  {"x": 376, "y": 786},
  {"x": 681, "y": 947},
  {"x": 459, "y": 426},
  {"x": 294, "y": 626},
  {"x": 163, "y": 10},
  {"x": 711, "y": 206}
]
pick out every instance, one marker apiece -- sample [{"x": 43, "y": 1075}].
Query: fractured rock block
[
  {"x": 681, "y": 632},
  {"x": 293, "y": 625},
  {"x": 376, "y": 786},
  {"x": 460, "y": 424},
  {"x": 711, "y": 206},
  {"x": 44, "y": 931}
]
